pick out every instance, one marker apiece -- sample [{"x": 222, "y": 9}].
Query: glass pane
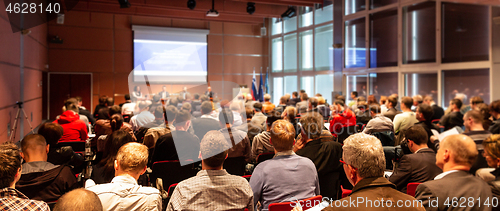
[
  {"x": 290, "y": 84},
  {"x": 382, "y": 84},
  {"x": 277, "y": 27},
  {"x": 325, "y": 13},
  {"x": 277, "y": 54},
  {"x": 277, "y": 90},
  {"x": 465, "y": 32},
  {"x": 384, "y": 39},
  {"x": 466, "y": 83},
  {"x": 353, "y": 6},
  {"x": 291, "y": 53},
  {"x": 380, "y": 3},
  {"x": 323, "y": 50},
  {"x": 424, "y": 84},
  {"x": 355, "y": 55},
  {"x": 306, "y": 48},
  {"x": 306, "y": 16},
  {"x": 324, "y": 86},
  {"x": 419, "y": 39},
  {"x": 307, "y": 84},
  {"x": 291, "y": 24},
  {"x": 355, "y": 83}
]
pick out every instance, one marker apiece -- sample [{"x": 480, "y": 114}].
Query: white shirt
[
  {"x": 440, "y": 176},
  {"x": 141, "y": 119},
  {"x": 123, "y": 193},
  {"x": 128, "y": 108},
  {"x": 237, "y": 119}
]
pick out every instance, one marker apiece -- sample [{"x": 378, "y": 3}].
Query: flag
[
  {"x": 267, "y": 83},
  {"x": 261, "y": 88},
  {"x": 255, "y": 94}
]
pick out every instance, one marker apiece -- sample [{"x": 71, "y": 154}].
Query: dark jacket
[
  {"x": 88, "y": 115},
  {"x": 65, "y": 155},
  {"x": 240, "y": 145},
  {"x": 391, "y": 113},
  {"x": 451, "y": 120},
  {"x": 428, "y": 126},
  {"x": 325, "y": 156},
  {"x": 202, "y": 125},
  {"x": 418, "y": 167},
  {"x": 458, "y": 184},
  {"x": 495, "y": 127},
  {"x": 49, "y": 185},
  {"x": 438, "y": 112},
  {"x": 495, "y": 186},
  {"x": 478, "y": 137},
  {"x": 374, "y": 189}
]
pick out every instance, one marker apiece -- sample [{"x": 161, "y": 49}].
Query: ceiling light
[
  {"x": 250, "y": 7},
  {"x": 191, "y": 4},
  {"x": 124, "y": 3},
  {"x": 290, "y": 12}
]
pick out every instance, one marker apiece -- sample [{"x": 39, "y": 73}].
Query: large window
[
  {"x": 323, "y": 50},
  {"x": 324, "y": 86},
  {"x": 306, "y": 48},
  {"x": 290, "y": 84},
  {"x": 419, "y": 37},
  {"x": 384, "y": 39},
  {"x": 383, "y": 84},
  {"x": 353, "y": 6},
  {"x": 465, "y": 32},
  {"x": 277, "y": 54},
  {"x": 466, "y": 84},
  {"x": 290, "y": 53},
  {"x": 323, "y": 13},
  {"x": 355, "y": 52},
  {"x": 306, "y": 16},
  {"x": 307, "y": 84},
  {"x": 291, "y": 24},
  {"x": 356, "y": 83},
  {"x": 424, "y": 84},
  {"x": 380, "y": 3},
  {"x": 278, "y": 89},
  {"x": 277, "y": 27}
]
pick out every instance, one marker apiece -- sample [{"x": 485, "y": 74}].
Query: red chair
[
  {"x": 411, "y": 188},
  {"x": 435, "y": 121},
  {"x": 171, "y": 189},
  {"x": 345, "y": 192},
  {"x": 247, "y": 177},
  {"x": 264, "y": 156},
  {"x": 287, "y": 206}
]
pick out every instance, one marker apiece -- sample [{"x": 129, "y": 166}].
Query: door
[{"x": 63, "y": 86}]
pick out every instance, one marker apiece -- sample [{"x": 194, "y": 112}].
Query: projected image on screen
[{"x": 170, "y": 55}]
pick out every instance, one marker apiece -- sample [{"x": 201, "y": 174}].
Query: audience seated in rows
[
  {"x": 455, "y": 117},
  {"x": 364, "y": 164},
  {"x": 455, "y": 157},
  {"x": 79, "y": 200},
  {"x": 123, "y": 193},
  {"x": 261, "y": 143},
  {"x": 325, "y": 155},
  {"x": 303, "y": 104},
  {"x": 113, "y": 122},
  {"x": 438, "y": 111},
  {"x": 74, "y": 128},
  {"x": 267, "y": 182},
  {"x": 237, "y": 139},
  {"x": 41, "y": 180},
  {"x": 424, "y": 115},
  {"x": 418, "y": 167},
  {"x": 341, "y": 117},
  {"x": 212, "y": 188},
  {"x": 144, "y": 117},
  {"x": 12, "y": 199},
  {"x": 206, "y": 122},
  {"x": 379, "y": 122}
]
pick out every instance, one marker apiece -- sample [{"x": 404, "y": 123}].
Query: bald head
[
  {"x": 79, "y": 200},
  {"x": 34, "y": 148},
  {"x": 457, "y": 150}
]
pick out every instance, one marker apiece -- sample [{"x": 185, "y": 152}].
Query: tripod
[{"x": 14, "y": 128}]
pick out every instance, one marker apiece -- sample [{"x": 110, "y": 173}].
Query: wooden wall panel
[
  {"x": 32, "y": 82},
  {"x": 214, "y": 43},
  {"x": 242, "y": 29},
  {"x": 83, "y": 38},
  {"x": 216, "y": 27},
  {"x": 214, "y": 64},
  {"x": 242, "y": 45},
  {"x": 244, "y": 64},
  {"x": 80, "y": 61},
  {"x": 10, "y": 41},
  {"x": 150, "y": 21},
  {"x": 9, "y": 83},
  {"x": 194, "y": 24},
  {"x": 123, "y": 40},
  {"x": 107, "y": 83},
  {"x": 86, "y": 19},
  {"x": 123, "y": 62}
]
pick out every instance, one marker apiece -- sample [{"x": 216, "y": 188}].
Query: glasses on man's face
[{"x": 342, "y": 161}]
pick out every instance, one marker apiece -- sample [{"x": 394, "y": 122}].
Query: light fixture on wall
[
  {"x": 124, "y": 3},
  {"x": 191, "y": 4},
  {"x": 250, "y": 7},
  {"x": 290, "y": 12}
]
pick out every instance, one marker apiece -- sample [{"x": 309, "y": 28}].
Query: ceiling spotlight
[
  {"x": 250, "y": 7},
  {"x": 191, "y": 4},
  {"x": 124, "y": 3},
  {"x": 290, "y": 12}
]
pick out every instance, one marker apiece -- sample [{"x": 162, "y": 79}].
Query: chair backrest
[
  {"x": 171, "y": 189},
  {"x": 385, "y": 137},
  {"x": 287, "y": 206},
  {"x": 78, "y": 146},
  {"x": 171, "y": 172},
  {"x": 434, "y": 121},
  {"x": 126, "y": 117},
  {"x": 411, "y": 188},
  {"x": 346, "y": 132},
  {"x": 345, "y": 192},
  {"x": 247, "y": 177},
  {"x": 264, "y": 156},
  {"x": 235, "y": 165}
]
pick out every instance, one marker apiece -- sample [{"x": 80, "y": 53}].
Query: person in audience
[
  {"x": 267, "y": 106},
  {"x": 235, "y": 108},
  {"x": 383, "y": 107},
  {"x": 378, "y": 122},
  {"x": 294, "y": 100},
  {"x": 102, "y": 104},
  {"x": 178, "y": 144},
  {"x": 455, "y": 117},
  {"x": 164, "y": 93},
  {"x": 438, "y": 111},
  {"x": 196, "y": 102},
  {"x": 312, "y": 105},
  {"x": 474, "y": 101},
  {"x": 364, "y": 163},
  {"x": 104, "y": 127},
  {"x": 495, "y": 113},
  {"x": 352, "y": 104},
  {"x": 123, "y": 193},
  {"x": 492, "y": 154},
  {"x": 212, "y": 188},
  {"x": 267, "y": 183},
  {"x": 154, "y": 133},
  {"x": 127, "y": 100},
  {"x": 249, "y": 101},
  {"x": 144, "y": 117},
  {"x": 391, "y": 112},
  {"x": 128, "y": 108},
  {"x": 83, "y": 111},
  {"x": 103, "y": 112},
  {"x": 258, "y": 119},
  {"x": 41, "y": 180},
  {"x": 12, "y": 199},
  {"x": 455, "y": 157},
  {"x": 417, "y": 167},
  {"x": 341, "y": 118},
  {"x": 371, "y": 100},
  {"x": 473, "y": 122},
  {"x": 283, "y": 103},
  {"x": 325, "y": 155},
  {"x": 141, "y": 133},
  {"x": 79, "y": 200},
  {"x": 323, "y": 108},
  {"x": 363, "y": 112},
  {"x": 236, "y": 138},
  {"x": 261, "y": 143},
  {"x": 417, "y": 100},
  {"x": 206, "y": 123},
  {"x": 52, "y": 132},
  {"x": 303, "y": 104},
  {"x": 74, "y": 128},
  {"x": 289, "y": 115},
  {"x": 406, "y": 119},
  {"x": 104, "y": 171},
  {"x": 485, "y": 111},
  {"x": 424, "y": 116},
  {"x": 207, "y": 110}
]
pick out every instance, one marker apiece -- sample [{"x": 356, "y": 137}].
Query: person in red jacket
[
  {"x": 74, "y": 129},
  {"x": 341, "y": 117}
]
